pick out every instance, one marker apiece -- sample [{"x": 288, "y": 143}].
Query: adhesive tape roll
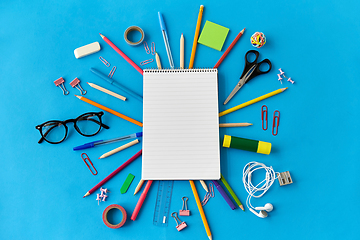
[
  {"x": 134, "y": 28},
  {"x": 114, "y": 206}
]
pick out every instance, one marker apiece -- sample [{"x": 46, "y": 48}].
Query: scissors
[{"x": 251, "y": 70}]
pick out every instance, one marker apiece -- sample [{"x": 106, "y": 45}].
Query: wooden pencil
[
  {"x": 203, "y": 184},
  {"x": 138, "y": 187},
  {"x": 235, "y": 124},
  {"x": 93, "y": 85},
  {"x": 197, "y": 30},
  {"x": 158, "y": 63},
  {"x": 119, "y": 149}
]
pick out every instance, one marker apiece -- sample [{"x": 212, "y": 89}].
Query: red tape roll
[{"x": 122, "y": 210}]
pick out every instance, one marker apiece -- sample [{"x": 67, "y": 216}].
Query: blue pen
[
  {"x": 103, "y": 142},
  {"x": 116, "y": 84},
  {"x": 166, "y": 40}
]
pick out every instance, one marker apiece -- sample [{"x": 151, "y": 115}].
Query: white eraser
[{"x": 87, "y": 50}]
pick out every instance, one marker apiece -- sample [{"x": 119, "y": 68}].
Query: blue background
[{"x": 314, "y": 42}]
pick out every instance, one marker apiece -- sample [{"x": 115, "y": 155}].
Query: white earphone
[{"x": 263, "y": 210}]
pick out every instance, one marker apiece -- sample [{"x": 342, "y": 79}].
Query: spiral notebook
[{"x": 181, "y": 125}]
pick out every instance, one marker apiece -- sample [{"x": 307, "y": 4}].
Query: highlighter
[{"x": 247, "y": 144}]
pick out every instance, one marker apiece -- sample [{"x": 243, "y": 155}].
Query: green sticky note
[
  {"x": 127, "y": 183},
  {"x": 213, "y": 35}
]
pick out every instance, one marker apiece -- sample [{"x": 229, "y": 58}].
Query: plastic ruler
[{"x": 163, "y": 201}]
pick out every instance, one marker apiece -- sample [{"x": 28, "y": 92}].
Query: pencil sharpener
[
  {"x": 181, "y": 226},
  {"x": 184, "y": 212},
  {"x": 285, "y": 178}
]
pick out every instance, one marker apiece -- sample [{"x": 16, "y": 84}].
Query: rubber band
[
  {"x": 106, "y": 211},
  {"x": 258, "y": 39}
]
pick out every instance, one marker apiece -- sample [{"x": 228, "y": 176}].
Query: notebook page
[{"x": 181, "y": 125}]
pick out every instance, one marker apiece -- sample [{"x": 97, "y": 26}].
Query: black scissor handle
[
  {"x": 249, "y": 64},
  {"x": 256, "y": 71}
]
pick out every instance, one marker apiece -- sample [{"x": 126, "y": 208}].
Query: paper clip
[
  {"x": 180, "y": 226},
  {"x": 276, "y": 116},
  {"x": 111, "y": 74},
  {"x": 76, "y": 83},
  {"x": 153, "y": 48},
  {"x": 146, "y": 62},
  {"x": 104, "y": 61},
  {"x": 184, "y": 212},
  {"x": 146, "y": 46},
  {"x": 264, "y": 110},
  {"x": 87, "y": 164},
  {"x": 60, "y": 83},
  {"x": 208, "y": 195}
]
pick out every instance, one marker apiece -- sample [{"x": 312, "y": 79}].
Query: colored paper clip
[
  {"x": 111, "y": 73},
  {"x": 153, "y": 48},
  {"x": 208, "y": 195},
  {"x": 276, "y": 121},
  {"x": 264, "y": 119},
  {"x": 104, "y": 61},
  {"x": 87, "y": 164},
  {"x": 76, "y": 83},
  {"x": 180, "y": 226},
  {"x": 146, "y": 62},
  {"x": 146, "y": 46},
  {"x": 60, "y": 83},
  {"x": 184, "y": 212}
]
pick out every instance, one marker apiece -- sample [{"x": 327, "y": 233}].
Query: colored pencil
[
  {"x": 235, "y": 124},
  {"x": 109, "y": 110},
  {"x": 122, "y": 54},
  {"x": 197, "y": 30},
  {"x": 182, "y": 51},
  {"x": 141, "y": 201},
  {"x": 229, "y": 48},
  {"x": 119, "y": 149},
  {"x": 252, "y": 101},
  {"x": 93, "y": 85},
  {"x": 223, "y": 194},
  {"x": 138, "y": 187},
  {"x": 232, "y": 193},
  {"x": 158, "y": 63},
  {"x": 203, "y": 184},
  {"x": 113, "y": 173},
  {"x": 201, "y": 210}
]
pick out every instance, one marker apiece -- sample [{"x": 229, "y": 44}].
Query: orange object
[
  {"x": 197, "y": 30},
  {"x": 110, "y": 110}
]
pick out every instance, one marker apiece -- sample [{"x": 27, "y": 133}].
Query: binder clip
[
  {"x": 276, "y": 120},
  {"x": 284, "y": 178},
  {"x": 86, "y": 160},
  {"x": 264, "y": 117},
  {"x": 180, "y": 226},
  {"x": 60, "y": 83},
  {"x": 184, "y": 212},
  {"x": 76, "y": 83}
]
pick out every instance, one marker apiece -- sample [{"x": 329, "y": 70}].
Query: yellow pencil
[
  {"x": 252, "y": 101},
  {"x": 197, "y": 30},
  {"x": 201, "y": 210},
  {"x": 119, "y": 149},
  {"x": 158, "y": 63},
  {"x": 138, "y": 187},
  {"x": 93, "y": 85},
  {"x": 109, "y": 110},
  {"x": 182, "y": 51},
  {"x": 235, "y": 124}
]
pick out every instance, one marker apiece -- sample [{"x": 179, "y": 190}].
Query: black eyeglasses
[{"x": 87, "y": 124}]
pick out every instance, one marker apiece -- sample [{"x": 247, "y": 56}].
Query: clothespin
[
  {"x": 184, "y": 212},
  {"x": 180, "y": 226},
  {"x": 60, "y": 83},
  {"x": 76, "y": 83}
]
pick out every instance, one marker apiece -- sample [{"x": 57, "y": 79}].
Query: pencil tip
[
  {"x": 242, "y": 207},
  {"x": 242, "y": 31},
  {"x": 210, "y": 237},
  {"x": 102, "y": 36}
]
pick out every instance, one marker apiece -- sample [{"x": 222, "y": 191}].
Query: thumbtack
[
  {"x": 104, "y": 198},
  {"x": 281, "y": 72},
  {"x": 60, "y": 83},
  {"x": 76, "y": 83},
  {"x": 98, "y": 198},
  {"x": 279, "y": 76},
  {"x": 289, "y": 80},
  {"x": 105, "y": 190}
]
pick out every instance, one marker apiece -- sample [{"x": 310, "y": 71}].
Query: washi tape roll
[
  {"x": 122, "y": 210},
  {"x": 130, "y": 29}
]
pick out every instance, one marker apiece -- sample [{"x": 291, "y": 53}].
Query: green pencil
[{"x": 232, "y": 192}]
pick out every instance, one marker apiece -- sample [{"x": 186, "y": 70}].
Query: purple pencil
[{"x": 223, "y": 193}]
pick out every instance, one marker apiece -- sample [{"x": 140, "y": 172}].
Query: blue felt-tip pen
[{"x": 103, "y": 142}]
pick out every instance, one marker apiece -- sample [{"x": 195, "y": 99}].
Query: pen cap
[{"x": 162, "y": 23}]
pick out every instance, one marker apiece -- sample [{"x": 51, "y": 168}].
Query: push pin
[
  {"x": 102, "y": 194},
  {"x": 180, "y": 226},
  {"x": 105, "y": 190},
  {"x": 104, "y": 198},
  {"x": 60, "y": 83},
  {"x": 76, "y": 83},
  {"x": 184, "y": 212},
  {"x": 289, "y": 80},
  {"x": 281, "y": 72},
  {"x": 279, "y": 76},
  {"x": 98, "y": 198}
]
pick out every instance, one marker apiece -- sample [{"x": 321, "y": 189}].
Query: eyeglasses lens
[
  {"x": 88, "y": 124},
  {"x": 53, "y": 131}
]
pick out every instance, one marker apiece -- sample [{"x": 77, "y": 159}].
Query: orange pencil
[
  {"x": 109, "y": 110},
  {"x": 197, "y": 30}
]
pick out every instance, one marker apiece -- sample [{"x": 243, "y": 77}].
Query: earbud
[
  {"x": 268, "y": 207},
  {"x": 261, "y": 214}
]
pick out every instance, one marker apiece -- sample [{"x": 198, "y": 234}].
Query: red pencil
[
  {"x": 229, "y": 48},
  {"x": 113, "y": 173},
  {"x": 141, "y": 200},
  {"x": 122, "y": 54}
]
